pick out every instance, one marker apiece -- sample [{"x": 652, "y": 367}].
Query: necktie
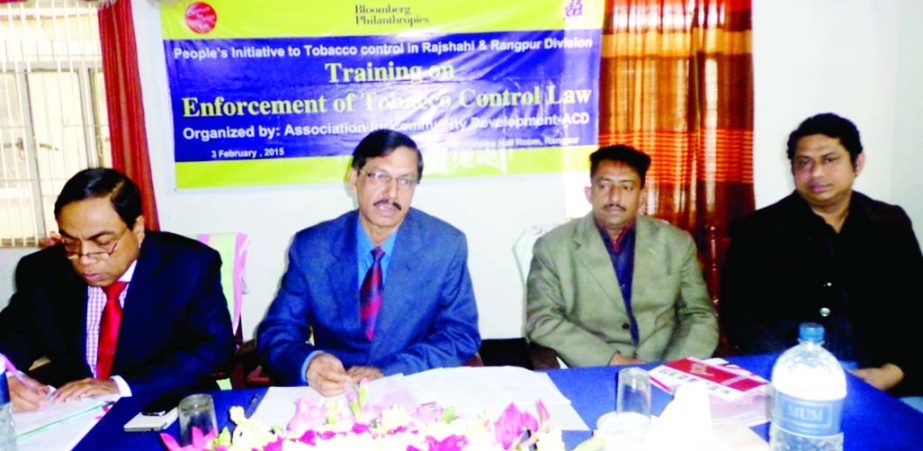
[
  {"x": 370, "y": 295},
  {"x": 109, "y": 329}
]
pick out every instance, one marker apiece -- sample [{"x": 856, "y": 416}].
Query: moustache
[
  {"x": 619, "y": 207},
  {"x": 386, "y": 202}
]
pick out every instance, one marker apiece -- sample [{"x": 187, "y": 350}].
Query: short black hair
[
  {"x": 639, "y": 161},
  {"x": 103, "y": 182},
  {"x": 381, "y": 143},
  {"x": 827, "y": 124}
]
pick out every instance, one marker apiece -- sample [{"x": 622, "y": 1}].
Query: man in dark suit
[
  {"x": 830, "y": 255},
  {"x": 383, "y": 289},
  {"x": 116, "y": 309}
]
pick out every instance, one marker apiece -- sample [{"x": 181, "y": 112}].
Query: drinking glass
[{"x": 196, "y": 411}]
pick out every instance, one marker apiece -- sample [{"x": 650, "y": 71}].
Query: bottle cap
[{"x": 811, "y": 332}]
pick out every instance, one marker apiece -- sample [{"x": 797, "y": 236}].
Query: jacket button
[
  {"x": 626, "y": 326},
  {"x": 824, "y": 311}
]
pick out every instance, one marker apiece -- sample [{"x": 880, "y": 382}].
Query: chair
[
  {"x": 716, "y": 244},
  {"x": 233, "y": 249},
  {"x": 540, "y": 357}
]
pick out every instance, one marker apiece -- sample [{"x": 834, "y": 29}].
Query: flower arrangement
[{"x": 428, "y": 427}]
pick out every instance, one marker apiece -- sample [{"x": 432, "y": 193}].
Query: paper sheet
[
  {"x": 470, "y": 390},
  {"x": 59, "y": 426}
]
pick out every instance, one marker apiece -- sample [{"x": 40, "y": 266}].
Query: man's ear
[
  {"x": 353, "y": 178},
  {"x": 588, "y": 192},
  {"x": 138, "y": 228},
  {"x": 860, "y": 163}
]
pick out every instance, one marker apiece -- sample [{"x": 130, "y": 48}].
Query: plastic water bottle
[
  {"x": 7, "y": 433},
  {"x": 809, "y": 386}
]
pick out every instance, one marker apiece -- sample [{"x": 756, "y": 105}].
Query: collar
[
  {"x": 622, "y": 239},
  {"x": 129, "y": 273},
  {"x": 364, "y": 244}
]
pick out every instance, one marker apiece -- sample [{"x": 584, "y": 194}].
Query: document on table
[
  {"x": 469, "y": 390},
  {"x": 59, "y": 426}
]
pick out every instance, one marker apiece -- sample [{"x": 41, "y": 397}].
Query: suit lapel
[
  {"x": 590, "y": 253},
  {"x": 646, "y": 261},
  {"x": 73, "y": 303},
  {"x": 140, "y": 303},
  {"x": 342, "y": 273},
  {"x": 398, "y": 291}
]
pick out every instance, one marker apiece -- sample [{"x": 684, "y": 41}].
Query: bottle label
[
  {"x": 4, "y": 390},
  {"x": 807, "y": 417}
]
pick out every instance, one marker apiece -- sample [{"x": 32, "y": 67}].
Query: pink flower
[
  {"x": 200, "y": 441},
  {"x": 308, "y": 437},
  {"x": 544, "y": 418},
  {"x": 274, "y": 446},
  {"x": 450, "y": 443},
  {"x": 508, "y": 428},
  {"x": 307, "y": 416},
  {"x": 427, "y": 413}
]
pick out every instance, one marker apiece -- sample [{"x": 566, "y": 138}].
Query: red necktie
[
  {"x": 109, "y": 329},
  {"x": 370, "y": 295}
]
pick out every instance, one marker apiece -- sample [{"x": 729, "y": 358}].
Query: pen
[
  {"x": 254, "y": 400},
  {"x": 10, "y": 368}
]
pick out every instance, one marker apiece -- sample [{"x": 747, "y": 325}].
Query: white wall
[
  {"x": 907, "y": 157},
  {"x": 859, "y": 58},
  {"x": 824, "y": 55}
]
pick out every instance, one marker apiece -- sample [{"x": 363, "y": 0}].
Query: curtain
[
  {"x": 124, "y": 104},
  {"x": 677, "y": 84}
]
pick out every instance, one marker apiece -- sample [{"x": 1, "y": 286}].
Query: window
[{"x": 53, "y": 119}]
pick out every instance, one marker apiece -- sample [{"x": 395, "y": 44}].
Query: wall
[
  {"x": 906, "y": 180},
  {"x": 859, "y": 58}
]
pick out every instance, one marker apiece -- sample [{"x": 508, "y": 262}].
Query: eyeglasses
[
  {"x": 72, "y": 248},
  {"x": 405, "y": 182}
]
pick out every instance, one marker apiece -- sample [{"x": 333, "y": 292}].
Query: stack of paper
[
  {"x": 58, "y": 426},
  {"x": 469, "y": 390}
]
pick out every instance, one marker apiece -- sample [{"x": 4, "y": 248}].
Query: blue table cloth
[{"x": 872, "y": 420}]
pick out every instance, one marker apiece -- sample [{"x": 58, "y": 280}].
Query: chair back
[
  {"x": 540, "y": 357},
  {"x": 233, "y": 250}
]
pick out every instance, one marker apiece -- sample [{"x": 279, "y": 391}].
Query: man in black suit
[
  {"x": 831, "y": 255},
  {"x": 164, "y": 331}
]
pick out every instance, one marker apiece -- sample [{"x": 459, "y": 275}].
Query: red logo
[{"x": 201, "y": 17}]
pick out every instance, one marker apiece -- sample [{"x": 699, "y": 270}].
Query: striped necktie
[{"x": 370, "y": 295}]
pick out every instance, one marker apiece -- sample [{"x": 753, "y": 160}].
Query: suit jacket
[
  {"x": 779, "y": 271},
  {"x": 574, "y": 304},
  {"x": 175, "y": 327},
  {"x": 428, "y": 315}
]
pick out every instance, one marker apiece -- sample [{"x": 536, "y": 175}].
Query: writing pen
[
  {"x": 254, "y": 400},
  {"x": 10, "y": 368}
]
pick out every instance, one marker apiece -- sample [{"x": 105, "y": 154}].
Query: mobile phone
[
  {"x": 160, "y": 406},
  {"x": 145, "y": 423}
]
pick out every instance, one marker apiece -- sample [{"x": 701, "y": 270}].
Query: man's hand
[
  {"x": 326, "y": 375},
  {"x": 357, "y": 373},
  {"x": 883, "y": 378},
  {"x": 619, "y": 359},
  {"x": 85, "y": 387},
  {"x": 27, "y": 393}
]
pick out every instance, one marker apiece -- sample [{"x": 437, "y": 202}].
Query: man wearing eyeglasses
[
  {"x": 116, "y": 309},
  {"x": 384, "y": 289}
]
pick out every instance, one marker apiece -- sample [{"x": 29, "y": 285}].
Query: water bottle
[
  {"x": 7, "y": 433},
  {"x": 809, "y": 386}
]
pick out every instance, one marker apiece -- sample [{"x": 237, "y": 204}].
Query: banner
[{"x": 282, "y": 91}]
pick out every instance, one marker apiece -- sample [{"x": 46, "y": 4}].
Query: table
[{"x": 872, "y": 420}]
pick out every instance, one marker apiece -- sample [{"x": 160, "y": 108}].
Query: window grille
[{"x": 53, "y": 119}]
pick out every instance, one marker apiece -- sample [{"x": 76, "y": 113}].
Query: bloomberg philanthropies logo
[{"x": 387, "y": 15}]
